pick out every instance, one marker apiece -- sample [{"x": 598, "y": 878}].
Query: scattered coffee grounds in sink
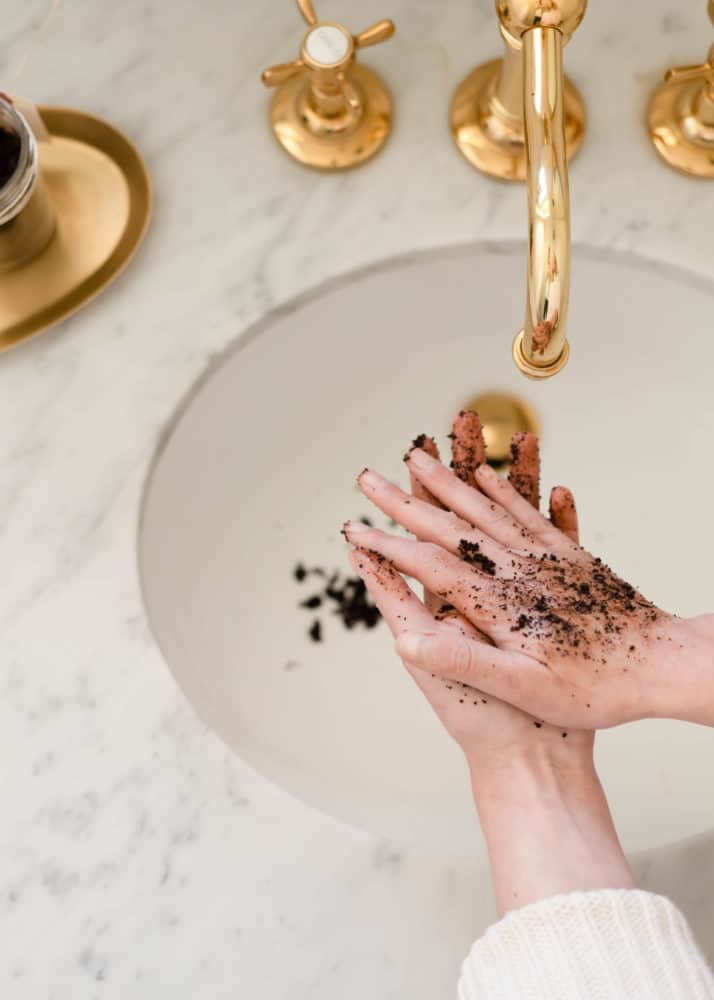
[
  {"x": 312, "y": 602},
  {"x": 302, "y": 573},
  {"x": 344, "y": 597},
  {"x": 9, "y": 154}
]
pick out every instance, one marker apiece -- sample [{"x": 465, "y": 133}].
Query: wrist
[
  {"x": 533, "y": 763},
  {"x": 547, "y": 826},
  {"x": 683, "y": 684},
  {"x": 528, "y": 783}
]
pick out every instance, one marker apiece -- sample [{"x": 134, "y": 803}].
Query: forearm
[{"x": 548, "y": 829}]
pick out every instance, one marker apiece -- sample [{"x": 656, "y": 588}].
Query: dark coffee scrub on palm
[
  {"x": 578, "y": 607},
  {"x": 9, "y": 154},
  {"x": 471, "y": 553}
]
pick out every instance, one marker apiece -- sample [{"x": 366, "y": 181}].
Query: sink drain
[{"x": 502, "y": 415}]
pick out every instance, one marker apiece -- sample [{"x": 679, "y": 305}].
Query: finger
[
  {"x": 464, "y": 500},
  {"x": 474, "y": 592},
  {"x": 563, "y": 512},
  {"x": 402, "y": 609},
  {"x": 507, "y": 498},
  {"x": 524, "y": 474},
  {"x": 428, "y": 523},
  {"x": 455, "y": 621},
  {"x": 468, "y": 449},
  {"x": 427, "y": 444},
  {"x": 468, "y": 452},
  {"x": 398, "y": 604},
  {"x": 512, "y": 677}
]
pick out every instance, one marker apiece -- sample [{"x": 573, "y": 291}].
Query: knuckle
[
  {"x": 460, "y": 658},
  {"x": 457, "y": 523},
  {"x": 501, "y": 518},
  {"x": 428, "y": 555}
]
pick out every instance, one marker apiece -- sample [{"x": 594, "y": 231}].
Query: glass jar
[{"x": 27, "y": 218}]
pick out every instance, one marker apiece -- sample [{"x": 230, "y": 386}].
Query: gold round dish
[{"x": 101, "y": 193}]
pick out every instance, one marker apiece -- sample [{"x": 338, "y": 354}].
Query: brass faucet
[
  {"x": 329, "y": 112},
  {"x": 519, "y": 118}
]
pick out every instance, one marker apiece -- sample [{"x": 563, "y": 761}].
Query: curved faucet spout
[
  {"x": 541, "y": 349},
  {"x": 520, "y": 118}
]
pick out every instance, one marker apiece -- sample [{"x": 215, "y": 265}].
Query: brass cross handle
[
  {"x": 328, "y": 111},
  {"x": 688, "y": 74},
  {"x": 681, "y": 116},
  {"x": 328, "y": 50}
]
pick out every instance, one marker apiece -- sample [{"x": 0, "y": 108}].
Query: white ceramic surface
[
  {"x": 259, "y": 475},
  {"x": 139, "y": 857}
]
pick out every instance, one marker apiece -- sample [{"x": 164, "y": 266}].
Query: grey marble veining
[{"x": 137, "y": 856}]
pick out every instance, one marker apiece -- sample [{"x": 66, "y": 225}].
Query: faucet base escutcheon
[
  {"x": 347, "y": 137},
  {"x": 681, "y": 117},
  {"x": 492, "y": 139}
]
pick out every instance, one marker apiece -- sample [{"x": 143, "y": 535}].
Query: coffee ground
[
  {"x": 580, "y": 609},
  {"x": 468, "y": 450},
  {"x": 524, "y": 473},
  {"x": 347, "y": 596},
  {"x": 471, "y": 553}
]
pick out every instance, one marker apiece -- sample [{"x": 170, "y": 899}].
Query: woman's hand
[
  {"x": 571, "y": 643},
  {"x": 542, "y": 809},
  {"x": 534, "y": 785},
  {"x": 488, "y": 730}
]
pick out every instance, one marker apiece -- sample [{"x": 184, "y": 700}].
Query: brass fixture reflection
[
  {"x": 502, "y": 415},
  {"x": 681, "y": 116},
  {"x": 329, "y": 112},
  {"x": 520, "y": 119}
]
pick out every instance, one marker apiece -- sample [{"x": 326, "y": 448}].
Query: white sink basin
[{"x": 258, "y": 475}]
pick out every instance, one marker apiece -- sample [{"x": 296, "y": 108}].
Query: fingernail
[
  {"x": 486, "y": 471},
  {"x": 369, "y": 478},
  {"x": 419, "y": 459},
  {"x": 354, "y": 528},
  {"x": 413, "y": 646}
]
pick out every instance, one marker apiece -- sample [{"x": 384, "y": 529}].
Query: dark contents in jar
[{"x": 9, "y": 154}]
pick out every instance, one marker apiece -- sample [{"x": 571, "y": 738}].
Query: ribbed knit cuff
[{"x": 615, "y": 943}]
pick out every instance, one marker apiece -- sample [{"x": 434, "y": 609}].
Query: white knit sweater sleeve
[{"x": 615, "y": 944}]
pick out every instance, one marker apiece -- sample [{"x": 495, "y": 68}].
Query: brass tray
[{"x": 101, "y": 191}]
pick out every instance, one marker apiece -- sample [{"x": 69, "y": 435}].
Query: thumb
[{"x": 450, "y": 654}]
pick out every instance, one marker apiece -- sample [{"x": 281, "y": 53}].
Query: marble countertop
[{"x": 138, "y": 857}]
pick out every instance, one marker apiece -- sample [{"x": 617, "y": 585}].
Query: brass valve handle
[
  {"x": 687, "y": 74},
  {"x": 681, "y": 116},
  {"x": 327, "y": 52}
]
